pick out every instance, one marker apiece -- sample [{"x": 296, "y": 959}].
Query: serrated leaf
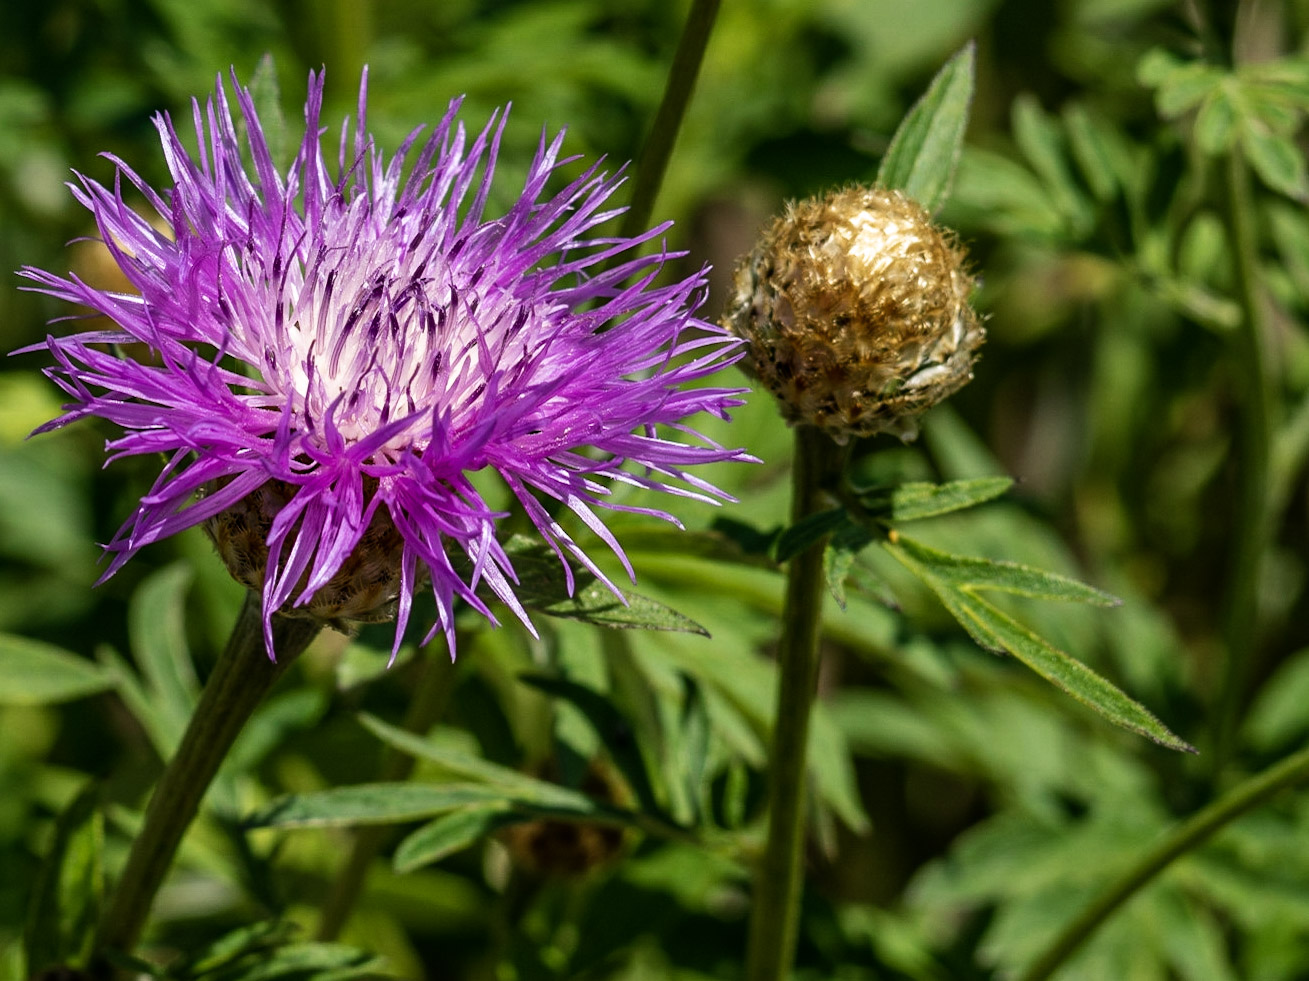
[
  {"x": 613, "y": 728},
  {"x": 373, "y": 803},
  {"x": 543, "y": 587},
  {"x": 924, "y": 152},
  {"x": 35, "y": 673},
  {"x": 1007, "y": 577},
  {"x": 995, "y": 630},
  {"x": 448, "y": 834},
  {"x": 1277, "y": 160},
  {"x": 521, "y": 787},
  {"x": 917, "y": 500},
  {"x": 64, "y": 906},
  {"x": 808, "y": 531}
]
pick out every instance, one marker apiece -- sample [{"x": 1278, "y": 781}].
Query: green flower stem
[
  {"x": 774, "y": 919},
  {"x": 241, "y": 678},
  {"x": 1252, "y": 522},
  {"x": 658, "y": 147},
  {"x": 1187, "y": 836},
  {"x": 428, "y": 704}
]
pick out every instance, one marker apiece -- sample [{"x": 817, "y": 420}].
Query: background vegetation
[{"x": 965, "y": 811}]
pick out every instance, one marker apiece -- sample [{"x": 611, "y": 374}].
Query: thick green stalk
[
  {"x": 1187, "y": 836},
  {"x": 658, "y": 147},
  {"x": 427, "y": 705},
  {"x": 774, "y": 919},
  {"x": 1252, "y": 523},
  {"x": 238, "y": 684}
]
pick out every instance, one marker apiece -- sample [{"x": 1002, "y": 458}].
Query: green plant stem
[
  {"x": 428, "y": 704},
  {"x": 1252, "y": 524},
  {"x": 241, "y": 678},
  {"x": 1187, "y": 836},
  {"x": 653, "y": 162},
  {"x": 774, "y": 918}
]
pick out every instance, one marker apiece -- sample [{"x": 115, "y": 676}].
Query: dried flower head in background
[
  {"x": 855, "y": 307},
  {"x": 325, "y": 354}
]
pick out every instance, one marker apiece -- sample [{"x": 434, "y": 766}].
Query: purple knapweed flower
[{"x": 324, "y": 356}]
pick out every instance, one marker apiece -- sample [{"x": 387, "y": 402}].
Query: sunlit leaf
[
  {"x": 543, "y": 587},
  {"x": 955, "y": 581},
  {"x": 924, "y": 151},
  {"x": 916, "y": 500}
]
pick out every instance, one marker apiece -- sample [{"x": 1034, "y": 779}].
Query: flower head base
[
  {"x": 330, "y": 352},
  {"x": 855, "y": 307}
]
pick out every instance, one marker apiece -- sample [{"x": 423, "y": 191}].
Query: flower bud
[{"x": 855, "y": 308}]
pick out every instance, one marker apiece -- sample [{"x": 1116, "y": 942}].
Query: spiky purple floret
[{"x": 370, "y": 329}]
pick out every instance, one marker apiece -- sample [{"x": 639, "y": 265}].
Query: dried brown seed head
[{"x": 855, "y": 307}]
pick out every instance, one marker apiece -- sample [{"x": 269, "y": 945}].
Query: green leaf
[
  {"x": 1089, "y": 144},
  {"x": 305, "y": 962},
  {"x": 34, "y": 673},
  {"x": 916, "y": 500},
  {"x": 543, "y": 587},
  {"x": 128, "y": 685},
  {"x": 1007, "y": 577},
  {"x": 955, "y": 580},
  {"x": 808, "y": 531},
  {"x": 372, "y": 803},
  {"x": 838, "y": 558},
  {"x": 448, "y": 834},
  {"x": 267, "y": 97},
  {"x": 1277, "y": 160},
  {"x": 521, "y": 787},
  {"x": 1041, "y": 141},
  {"x": 252, "y": 939},
  {"x": 64, "y": 906},
  {"x": 1215, "y": 123},
  {"x": 924, "y": 151},
  {"x": 613, "y": 728},
  {"x": 156, "y": 621}
]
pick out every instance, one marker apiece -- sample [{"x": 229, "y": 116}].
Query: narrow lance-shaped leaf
[
  {"x": 63, "y": 908},
  {"x": 914, "y": 501},
  {"x": 520, "y": 786},
  {"x": 33, "y": 673},
  {"x": 372, "y": 803},
  {"x": 995, "y": 630},
  {"x": 157, "y": 622},
  {"x": 1006, "y": 577},
  {"x": 808, "y": 531},
  {"x": 450, "y": 833},
  {"x": 543, "y": 587},
  {"x": 614, "y": 730},
  {"x": 925, "y": 150}
]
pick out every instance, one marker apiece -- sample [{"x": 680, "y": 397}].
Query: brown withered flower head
[{"x": 855, "y": 308}]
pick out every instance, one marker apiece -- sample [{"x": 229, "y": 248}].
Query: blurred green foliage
[{"x": 963, "y": 810}]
